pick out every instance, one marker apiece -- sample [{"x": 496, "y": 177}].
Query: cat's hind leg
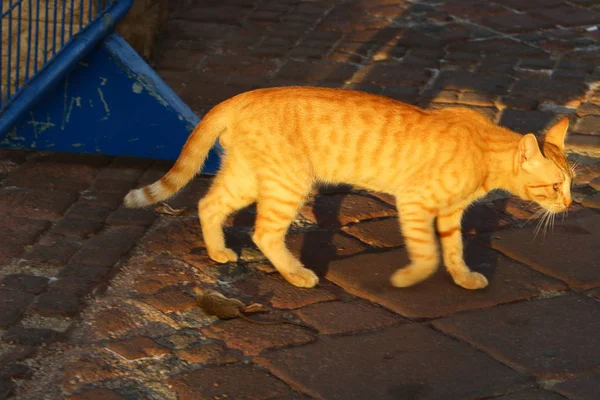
[
  {"x": 448, "y": 224},
  {"x": 233, "y": 188},
  {"x": 416, "y": 224},
  {"x": 277, "y": 205}
]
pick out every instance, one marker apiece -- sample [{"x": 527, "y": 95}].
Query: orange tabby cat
[{"x": 279, "y": 142}]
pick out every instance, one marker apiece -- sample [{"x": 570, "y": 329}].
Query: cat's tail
[{"x": 190, "y": 161}]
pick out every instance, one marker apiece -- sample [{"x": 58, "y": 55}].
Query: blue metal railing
[{"x": 42, "y": 41}]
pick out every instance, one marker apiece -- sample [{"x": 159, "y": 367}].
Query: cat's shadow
[{"x": 318, "y": 249}]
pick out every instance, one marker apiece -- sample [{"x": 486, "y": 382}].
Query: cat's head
[{"x": 544, "y": 175}]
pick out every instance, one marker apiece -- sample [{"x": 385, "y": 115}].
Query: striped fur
[{"x": 280, "y": 142}]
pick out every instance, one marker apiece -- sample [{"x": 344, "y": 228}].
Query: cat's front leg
[
  {"x": 449, "y": 230},
  {"x": 416, "y": 224}
]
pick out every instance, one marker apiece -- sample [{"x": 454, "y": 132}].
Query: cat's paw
[
  {"x": 472, "y": 281},
  {"x": 223, "y": 256},
  {"x": 302, "y": 277},
  {"x": 411, "y": 275}
]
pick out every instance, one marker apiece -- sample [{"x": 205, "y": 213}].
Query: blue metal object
[
  {"x": 112, "y": 103},
  {"x": 75, "y": 42},
  {"x": 85, "y": 97}
]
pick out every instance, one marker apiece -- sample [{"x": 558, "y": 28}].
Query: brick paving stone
[
  {"x": 6, "y": 389},
  {"x": 90, "y": 273},
  {"x": 13, "y": 304},
  {"x": 77, "y": 228},
  {"x": 48, "y": 175},
  {"x": 191, "y": 195},
  {"x": 114, "y": 186},
  {"x": 8, "y": 252},
  {"x": 585, "y": 386},
  {"x": 550, "y": 338},
  {"x": 73, "y": 286},
  {"x": 592, "y": 201},
  {"x": 30, "y": 336},
  {"x": 532, "y": 394},
  {"x": 594, "y": 293},
  {"x": 524, "y": 121},
  {"x": 393, "y": 75},
  {"x": 235, "y": 65},
  {"x": 553, "y": 254},
  {"x": 467, "y": 81},
  {"x": 171, "y": 300},
  {"x": 26, "y": 283},
  {"x": 92, "y": 160},
  {"x": 96, "y": 198},
  {"x": 231, "y": 381},
  {"x": 516, "y": 208},
  {"x": 497, "y": 46},
  {"x": 586, "y": 173},
  {"x": 511, "y": 22},
  {"x": 566, "y": 92},
  {"x": 113, "y": 323},
  {"x": 57, "y": 305},
  {"x": 125, "y": 168},
  {"x": 339, "y": 210},
  {"x": 158, "y": 274},
  {"x": 309, "y": 72},
  {"x": 569, "y": 16},
  {"x": 138, "y": 347},
  {"x": 15, "y": 354},
  {"x": 96, "y": 394},
  {"x": 485, "y": 217},
  {"x": 595, "y": 183},
  {"x": 35, "y": 203},
  {"x": 212, "y": 353},
  {"x": 21, "y": 231},
  {"x": 55, "y": 254},
  {"x": 135, "y": 216},
  {"x": 87, "y": 370},
  {"x": 14, "y": 156},
  {"x": 368, "y": 275},
  {"x": 176, "y": 236},
  {"x": 15, "y": 371},
  {"x": 409, "y": 361},
  {"x": 252, "y": 339},
  {"x": 281, "y": 294},
  {"x": 88, "y": 212},
  {"x": 517, "y": 103},
  {"x": 316, "y": 249},
  {"x": 588, "y": 125},
  {"x": 378, "y": 233},
  {"x": 588, "y": 109},
  {"x": 175, "y": 59},
  {"x": 120, "y": 238},
  {"x": 335, "y": 317},
  {"x": 91, "y": 255}
]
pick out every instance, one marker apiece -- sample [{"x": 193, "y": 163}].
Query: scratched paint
[
  {"x": 40, "y": 127},
  {"x": 105, "y": 104},
  {"x": 137, "y": 87}
]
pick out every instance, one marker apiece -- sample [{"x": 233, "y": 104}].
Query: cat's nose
[{"x": 568, "y": 202}]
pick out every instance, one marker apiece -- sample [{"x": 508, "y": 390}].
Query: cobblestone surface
[{"x": 98, "y": 301}]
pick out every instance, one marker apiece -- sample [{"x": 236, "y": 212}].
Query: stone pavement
[{"x": 97, "y": 301}]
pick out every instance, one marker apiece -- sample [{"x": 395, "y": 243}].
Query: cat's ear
[
  {"x": 529, "y": 154},
  {"x": 556, "y": 135}
]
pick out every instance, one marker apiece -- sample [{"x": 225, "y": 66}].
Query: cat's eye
[{"x": 556, "y": 187}]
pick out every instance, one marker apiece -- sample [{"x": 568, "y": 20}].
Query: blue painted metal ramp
[{"x": 97, "y": 95}]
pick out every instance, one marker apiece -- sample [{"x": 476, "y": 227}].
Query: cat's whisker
[
  {"x": 536, "y": 215},
  {"x": 539, "y": 224}
]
